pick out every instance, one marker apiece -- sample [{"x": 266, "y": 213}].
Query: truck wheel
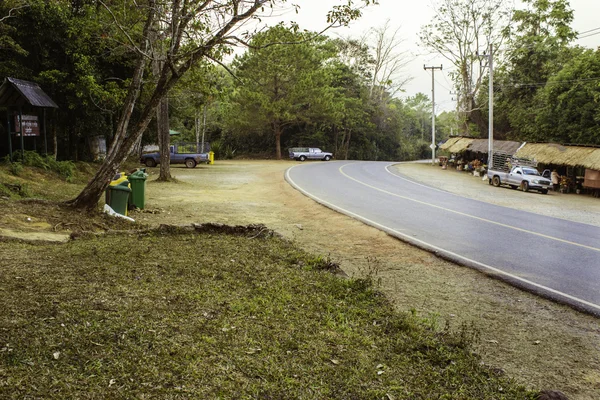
[
  {"x": 327, "y": 158},
  {"x": 190, "y": 163},
  {"x": 302, "y": 158},
  {"x": 496, "y": 181},
  {"x": 150, "y": 162},
  {"x": 525, "y": 186}
]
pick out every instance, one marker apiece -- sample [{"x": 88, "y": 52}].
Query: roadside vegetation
[{"x": 216, "y": 313}]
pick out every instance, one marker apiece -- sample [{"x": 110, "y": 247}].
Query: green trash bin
[
  {"x": 138, "y": 189},
  {"x": 117, "y": 179},
  {"x": 118, "y": 196}
]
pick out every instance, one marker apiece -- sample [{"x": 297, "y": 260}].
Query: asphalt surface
[{"x": 556, "y": 258}]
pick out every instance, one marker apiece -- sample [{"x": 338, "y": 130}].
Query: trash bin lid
[
  {"x": 138, "y": 175},
  {"x": 120, "y": 187}
]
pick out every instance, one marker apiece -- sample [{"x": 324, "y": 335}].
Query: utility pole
[
  {"x": 491, "y": 107},
  {"x": 432, "y": 110},
  {"x": 490, "y": 58}
]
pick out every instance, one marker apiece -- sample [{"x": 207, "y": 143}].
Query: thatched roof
[
  {"x": 456, "y": 144},
  {"x": 550, "y": 153},
  {"x": 504, "y": 146}
]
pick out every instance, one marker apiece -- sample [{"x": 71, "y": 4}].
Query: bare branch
[{"x": 15, "y": 9}]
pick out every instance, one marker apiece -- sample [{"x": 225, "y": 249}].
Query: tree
[
  {"x": 10, "y": 9},
  {"x": 538, "y": 47},
  {"x": 461, "y": 31},
  {"x": 282, "y": 85},
  {"x": 388, "y": 62},
  {"x": 571, "y": 113},
  {"x": 199, "y": 30},
  {"x": 64, "y": 47}
]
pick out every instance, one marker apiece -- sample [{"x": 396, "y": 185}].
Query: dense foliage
[{"x": 297, "y": 88}]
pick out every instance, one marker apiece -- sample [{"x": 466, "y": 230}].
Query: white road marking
[
  {"x": 411, "y": 239},
  {"x": 464, "y": 214}
]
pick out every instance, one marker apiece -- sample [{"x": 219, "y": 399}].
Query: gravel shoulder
[{"x": 535, "y": 341}]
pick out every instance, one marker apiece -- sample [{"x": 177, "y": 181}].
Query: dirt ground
[{"x": 537, "y": 342}]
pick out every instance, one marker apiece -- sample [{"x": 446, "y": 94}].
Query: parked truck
[
  {"x": 178, "y": 155},
  {"x": 522, "y": 174},
  {"x": 309, "y": 153}
]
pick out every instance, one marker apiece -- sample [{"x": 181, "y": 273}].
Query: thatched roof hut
[
  {"x": 551, "y": 153},
  {"x": 456, "y": 144}
]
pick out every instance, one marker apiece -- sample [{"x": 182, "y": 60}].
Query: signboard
[
  {"x": 592, "y": 179},
  {"x": 31, "y": 126}
]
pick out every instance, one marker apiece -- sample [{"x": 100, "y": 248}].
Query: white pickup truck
[
  {"x": 309, "y": 153},
  {"x": 525, "y": 178}
]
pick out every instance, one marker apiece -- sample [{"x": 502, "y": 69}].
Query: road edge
[{"x": 521, "y": 283}]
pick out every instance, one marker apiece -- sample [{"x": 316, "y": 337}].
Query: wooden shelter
[{"x": 19, "y": 96}]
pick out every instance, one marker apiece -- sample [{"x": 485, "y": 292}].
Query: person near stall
[{"x": 555, "y": 178}]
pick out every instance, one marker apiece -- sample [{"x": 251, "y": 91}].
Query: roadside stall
[
  {"x": 456, "y": 147},
  {"x": 576, "y": 165}
]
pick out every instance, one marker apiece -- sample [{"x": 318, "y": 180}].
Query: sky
[{"x": 409, "y": 16}]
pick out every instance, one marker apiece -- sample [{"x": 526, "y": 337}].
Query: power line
[
  {"x": 591, "y": 30},
  {"x": 586, "y": 36},
  {"x": 541, "y": 84}
]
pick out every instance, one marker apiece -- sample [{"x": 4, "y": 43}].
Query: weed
[
  {"x": 15, "y": 168},
  {"x": 370, "y": 272}
]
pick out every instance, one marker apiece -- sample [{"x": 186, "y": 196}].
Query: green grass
[{"x": 215, "y": 316}]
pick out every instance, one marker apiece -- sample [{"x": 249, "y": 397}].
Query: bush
[
  {"x": 15, "y": 168},
  {"x": 65, "y": 169}
]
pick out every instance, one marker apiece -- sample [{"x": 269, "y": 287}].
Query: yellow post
[{"x": 211, "y": 157}]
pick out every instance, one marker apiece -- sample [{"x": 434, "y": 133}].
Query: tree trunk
[
  {"x": 204, "y": 127},
  {"x": 164, "y": 139},
  {"x": 476, "y": 117},
  {"x": 348, "y": 144},
  {"x": 277, "y": 129},
  {"x": 335, "y": 140}
]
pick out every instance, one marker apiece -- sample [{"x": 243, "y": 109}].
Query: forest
[{"x": 123, "y": 70}]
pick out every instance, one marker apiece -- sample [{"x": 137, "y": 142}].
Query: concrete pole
[
  {"x": 432, "y": 110},
  {"x": 491, "y": 107}
]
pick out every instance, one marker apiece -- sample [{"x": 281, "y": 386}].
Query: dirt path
[{"x": 535, "y": 341}]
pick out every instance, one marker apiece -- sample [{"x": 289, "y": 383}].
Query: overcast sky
[{"x": 409, "y": 16}]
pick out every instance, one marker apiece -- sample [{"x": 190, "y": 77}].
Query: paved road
[{"x": 556, "y": 258}]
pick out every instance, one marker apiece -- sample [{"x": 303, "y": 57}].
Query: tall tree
[
  {"x": 538, "y": 47},
  {"x": 199, "y": 29},
  {"x": 571, "y": 99},
  {"x": 461, "y": 31},
  {"x": 282, "y": 85},
  {"x": 389, "y": 61}
]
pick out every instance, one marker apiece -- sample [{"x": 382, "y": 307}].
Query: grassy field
[
  {"x": 175, "y": 313},
  {"x": 181, "y": 315}
]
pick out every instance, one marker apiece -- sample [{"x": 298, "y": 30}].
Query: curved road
[{"x": 553, "y": 257}]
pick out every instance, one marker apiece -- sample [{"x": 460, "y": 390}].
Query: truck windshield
[{"x": 530, "y": 171}]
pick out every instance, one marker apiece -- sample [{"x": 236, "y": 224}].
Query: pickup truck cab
[
  {"x": 189, "y": 159},
  {"x": 309, "y": 153},
  {"x": 525, "y": 178}
]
